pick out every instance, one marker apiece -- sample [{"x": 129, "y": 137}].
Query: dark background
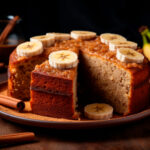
[{"x": 116, "y": 16}]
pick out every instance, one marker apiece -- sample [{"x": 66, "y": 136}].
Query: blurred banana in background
[{"x": 145, "y": 32}]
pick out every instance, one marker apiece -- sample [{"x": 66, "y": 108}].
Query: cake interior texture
[
  {"x": 123, "y": 85},
  {"x": 114, "y": 84}
]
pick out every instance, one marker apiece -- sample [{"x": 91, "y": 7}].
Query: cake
[{"x": 124, "y": 85}]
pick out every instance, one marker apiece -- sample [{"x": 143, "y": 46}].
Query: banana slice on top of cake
[
  {"x": 129, "y": 55},
  {"x": 45, "y": 39},
  {"x": 113, "y": 45},
  {"x": 63, "y": 59},
  {"x": 30, "y": 49},
  {"x": 109, "y": 37},
  {"x": 83, "y": 35},
  {"x": 59, "y": 36}
]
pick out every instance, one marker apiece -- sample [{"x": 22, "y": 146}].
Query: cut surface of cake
[{"x": 123, "y": 85}]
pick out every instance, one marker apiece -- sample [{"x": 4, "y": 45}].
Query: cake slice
[{"x": 54, "y": 91}]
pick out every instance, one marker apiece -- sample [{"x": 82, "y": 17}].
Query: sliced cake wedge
[{"x": 53, "y": 91}]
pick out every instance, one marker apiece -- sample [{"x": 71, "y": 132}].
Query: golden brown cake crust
[{"x": 15, "y": 59}]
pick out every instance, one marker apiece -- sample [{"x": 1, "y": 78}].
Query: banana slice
[
  {"x": 63, "y": 59},
  {"x": 29, "y": 49},
  {"x": 107, "y": 37},
  {"x": 45, "y": 39},
  {"x": 59, "y": 36},
  {"x": 84, "y": 35},
  {"x": 113, "y": 45},
  {"x": 129, "y": 55},
  {"x": 98, "y": 111}
]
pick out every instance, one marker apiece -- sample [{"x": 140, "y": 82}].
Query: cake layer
[{"x": 53, "y": 105}]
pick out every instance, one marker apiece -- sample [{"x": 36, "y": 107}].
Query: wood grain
[{"x": 128, "y": 137}]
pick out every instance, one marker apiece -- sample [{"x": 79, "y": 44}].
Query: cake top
[
  {"x": 104, "y": 46},
  {"x": 46, "y": 69},
  {"x": 99, "y": 49}
]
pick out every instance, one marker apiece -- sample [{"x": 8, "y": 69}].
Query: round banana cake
[{"x": 46, "y": 69}]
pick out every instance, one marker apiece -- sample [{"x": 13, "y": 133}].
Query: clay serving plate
[{"x": 48, "y": 122}]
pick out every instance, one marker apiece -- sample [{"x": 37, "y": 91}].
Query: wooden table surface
[{"x": 134, "y": 136}]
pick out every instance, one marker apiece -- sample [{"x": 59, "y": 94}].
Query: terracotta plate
[{"x": 48, "y": 122}]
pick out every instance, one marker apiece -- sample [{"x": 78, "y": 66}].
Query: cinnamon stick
[
  {"x": 8, "y": 29},
  {"x": 12, "y": 102},
  {"x": 2, "y": 66},
  {"x": 17, "y": 138}
]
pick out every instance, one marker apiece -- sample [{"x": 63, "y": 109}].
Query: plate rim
[{"x": 76, "y": 124}]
